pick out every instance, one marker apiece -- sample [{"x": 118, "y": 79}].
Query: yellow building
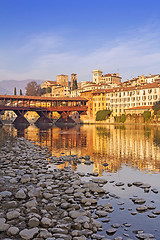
[{"x": 99, "y": 101}]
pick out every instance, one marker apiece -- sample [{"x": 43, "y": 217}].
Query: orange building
[{"x": 89, "y": 96}]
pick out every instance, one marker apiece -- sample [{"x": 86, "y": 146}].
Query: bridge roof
[{"x": 38, "y": 98}]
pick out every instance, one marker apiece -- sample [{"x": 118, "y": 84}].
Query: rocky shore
[{"x": 39, "y": 203}]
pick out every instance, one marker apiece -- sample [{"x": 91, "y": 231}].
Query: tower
[
  {"x": 97, "y": 75},
  {"x": 73, "y": 79}
]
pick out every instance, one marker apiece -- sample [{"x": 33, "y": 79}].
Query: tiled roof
[
  {"x": 140, "y": 108},
  {"x": 51, "y": 82}
]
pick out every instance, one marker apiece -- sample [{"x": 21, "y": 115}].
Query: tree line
[{"x": 33, "y": 89}]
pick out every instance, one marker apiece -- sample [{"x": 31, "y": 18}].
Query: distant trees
[
  {"x": 20, "y": 92},
  {"x": 15, "y": 91},
  {"x": 33, "y": 89}
]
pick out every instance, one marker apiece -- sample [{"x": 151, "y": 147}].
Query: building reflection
[{"x": 135, "y": 146}]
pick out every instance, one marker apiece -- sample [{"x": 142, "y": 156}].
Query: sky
[{"x": 40, "y": 39}]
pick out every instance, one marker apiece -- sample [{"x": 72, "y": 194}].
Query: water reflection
[{"x": 135, "y": 146}]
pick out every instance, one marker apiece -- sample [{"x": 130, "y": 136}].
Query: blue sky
[{"x": 40, "y": 39}]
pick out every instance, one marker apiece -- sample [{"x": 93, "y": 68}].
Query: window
[
  {"x": 155, "y": 97},
  {"x": 149, "y": 90}
]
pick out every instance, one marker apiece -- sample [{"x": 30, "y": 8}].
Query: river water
[{"x": 132, "y": 153}]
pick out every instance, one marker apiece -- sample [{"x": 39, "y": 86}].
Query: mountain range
[{"x": 7, "y": 86}]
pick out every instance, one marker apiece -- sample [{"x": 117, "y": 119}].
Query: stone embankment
[{"x": 39, "y": 203}]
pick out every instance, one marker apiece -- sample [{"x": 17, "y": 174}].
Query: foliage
[
  {"x": 43, "y": 91},
  {"x": 33, "y": 89},
  {"x": 48, "y": 90},
  {"x": 103, "y": 115},
  {"x": 20, "y": 92},
  {"x": 15, "y": 91},
  {"x": 158, "y": 114},
  {"x": 121, "y": 118},
  {"x": 146, "y": 115},
  {"x": 75, "y": 86},
  {"x": 156, "y": 108}
]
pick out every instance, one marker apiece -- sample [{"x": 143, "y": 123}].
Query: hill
[{"x": 7, "y": 86}]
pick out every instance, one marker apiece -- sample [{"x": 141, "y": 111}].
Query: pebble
[
  {"x": 145, "y": 236},
  {"x": 111, "y": 231},
  {"x": 39, "y": 203}
]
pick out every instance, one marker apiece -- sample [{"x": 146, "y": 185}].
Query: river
[{"x": 132, "y": 153}]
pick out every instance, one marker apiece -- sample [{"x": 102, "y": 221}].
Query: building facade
[
  {"x": 120, "y": 100},
  {"x": 111, "y": 78},
  {"x": 61, "y": 91},
  {"x": 47, "y": 84},
  {"x": 97, "y": 76},
  {"x": 62, "y": 80}
]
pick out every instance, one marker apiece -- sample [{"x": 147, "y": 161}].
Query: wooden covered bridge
[{"x": 43, "y": 106}]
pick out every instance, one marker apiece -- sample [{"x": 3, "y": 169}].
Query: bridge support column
[
  {"x": 43, "y": 119},
  {"x": 20, "y": 120}
]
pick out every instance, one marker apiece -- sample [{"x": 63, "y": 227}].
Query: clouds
[{"x": 44, "y": 56}]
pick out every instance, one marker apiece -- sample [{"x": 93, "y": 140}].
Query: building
[
  {"x": 73, "y": 79},
  {"x": 62, "y": 80},
  {"x": 123, "y": 99},
  {"x": 141, "y": 80},
  {"x": 97, "y": 76},
  {"x": 111, "y": 78},
  {"x": 76, "y": 93},
  {"x": 47, "y": 84},
  {"x": 89, "y": 96},
  {"x": 99, "y": 101},
  {"x": 61, "y": 91}
]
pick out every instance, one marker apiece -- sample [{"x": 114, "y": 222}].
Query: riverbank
[{"x": 40, "y": 203}]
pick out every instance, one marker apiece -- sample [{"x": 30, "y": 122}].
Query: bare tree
[{"x": 33, "y": 89}]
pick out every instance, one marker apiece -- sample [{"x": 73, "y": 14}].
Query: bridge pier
[
  {"x": 43, "y": 118},
  {"x": 20, "y": 119},
  {"x": 65, "y": 118}
]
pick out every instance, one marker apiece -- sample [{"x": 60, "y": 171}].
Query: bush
[
  {"x": 147, "y": 115},
  {"x": 156, "y": 107},
  {"x": 102, "y": 115},
  {"x": 121, "y": 118},
  {"x": 158, "y": 114}
]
